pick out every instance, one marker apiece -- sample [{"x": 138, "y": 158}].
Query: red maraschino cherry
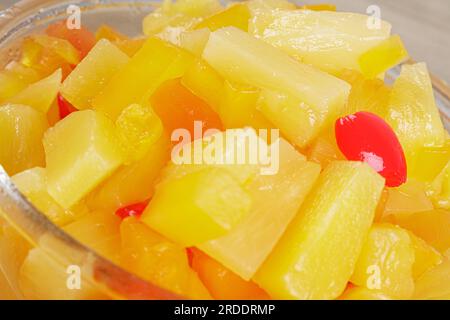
[
  {"x": 134, "y": 210},
  {"x": 65, "y": 107},
  {"x": 366, "y": 137}
]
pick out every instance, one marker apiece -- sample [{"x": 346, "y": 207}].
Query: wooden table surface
[{"x": 423, "y": 25}]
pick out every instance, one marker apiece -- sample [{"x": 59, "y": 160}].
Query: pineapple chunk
[
  {"x": 134, "y": 183},
  {"x": 172, "y": 19},
  {"x": 92, "y": 74},
  {"x": 44, "y": 278},
  {"x": 324, "y": 148},
  {"x": 317, "y": 254},
  {"x": 241, "y": 58},
  {"x": 98, "y": 231},
  {"x": 319, "y": 7},
  {"x": 196, "y": 8},
  {"x": 195, "y": 41},
  {"x": 238, "y": 108},
  {"x": 26, "y": 74},
  {"x": 33, "y": 185},
  {"x": 330, "y": 41},
  {"x": 205, "y": 83},
  {"x": 157, "y": 260},
  {"x": 366, "y": 95},
  {"x": 40, "y": 95},
  {"x": 383, "y": 57},
  {"x": 138, "y": 128},
  {"x": 432, "y": 226},
  {"x": 207, "y": 203},
  {"x": 412, "y": 111},
  {"x": 297, "y": 121},
  {"x": 434, "y": 284},
  {"x": 256, "y": 6},
  {"x": 386, "y": 262},
  {"x": 275, "y": 201},
  {"x": 10, "y": 85},
  {"x": 61, "y": 47},
  {"x": 154, "y": 63},
  {"x": 235, "y": 151},
  {"x": 6, "y": 292},
  {"x": 426, "y": 257},
  {"x": 361, "y": 293},
  {"x": 441, "y": 188},
  {"x": 429, "y": 162},
  {"x": 81, "y": 151},
  {"x": 21, "y": 132},
  {"x": 236, "y": 15},
  {"x": 410, "y": 197},
  {"x": 13, "y": 251}
]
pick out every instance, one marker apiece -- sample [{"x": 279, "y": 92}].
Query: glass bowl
[{"x": 30, "y": 227}]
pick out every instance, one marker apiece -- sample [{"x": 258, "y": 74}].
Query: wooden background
[{"x": 423, "y": 24}]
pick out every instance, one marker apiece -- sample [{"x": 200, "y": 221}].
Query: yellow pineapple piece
[
  {"x": 429, "y": 162},
  {"x": 441, "y": 188},
  {"x": 230, "y": 47},
  {"x": 412, "y": 111},
  {"x": 426, "y": 257},
  {"x": 319, "y": 7},
  {"x": 434, "y": 284},
  {"x": 175, "y": 17},
  {"x": 42, "y": 277},
  {"x": 134, "y": 183},
  {"x": 383, "y": 57},
  {"x": 61, "y": 47},
  {"x": 237, "y": 15},
  {"x": 138, "y": 128},
  {"x": 431, "y": 226},
  {"x": 205, "y": 83},
  {"x": 81, "y": 151},
  {"x": 40, "y": 95},
  {"x": 386, "y": 262},
  {"x": 33, "y": 185},
  {"x": 238, "y": 108},
  {"x": 330, "y": 41},
  {"x": 28, "y": 75},
  {"x": 410, "y": 197},
  {"x": 10, "y": 85},
  {"x": 317, "y": 254},
  {"x": 176, "y": 69},
  {"x": 324, "y": 149},
  {"x": 6, "y": 292},
  {"x": 159, "y": 261},
  {"x": 127, "y": 45},
  {"x": 99, "y": 231},
  {"x": 257, "y": 234},
  {"x": 21, "y": 132},
  {"x": 256, "y": 6},
  {"x": 108, "y": 33},
  {"x": 366, "y": 95},
  {"x": 154, "y": 63},
  {"x": 296, "y": 120},
  {"x": 93, "y": 74},
  {"x": 207, "y": 203},
  {"x": 243, "y": 59},
  {"x": 196, "y": 8},
  {"x": 13, "y": 251},
  {"x": 361, "y": 293},
  {"x": 195, "y": 41}
]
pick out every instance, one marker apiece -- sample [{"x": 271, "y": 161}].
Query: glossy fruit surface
[
  {"x": 367, "y": 137},
  {"x": 93, "y": 155},
  {"x": 317, "y": 254}
]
